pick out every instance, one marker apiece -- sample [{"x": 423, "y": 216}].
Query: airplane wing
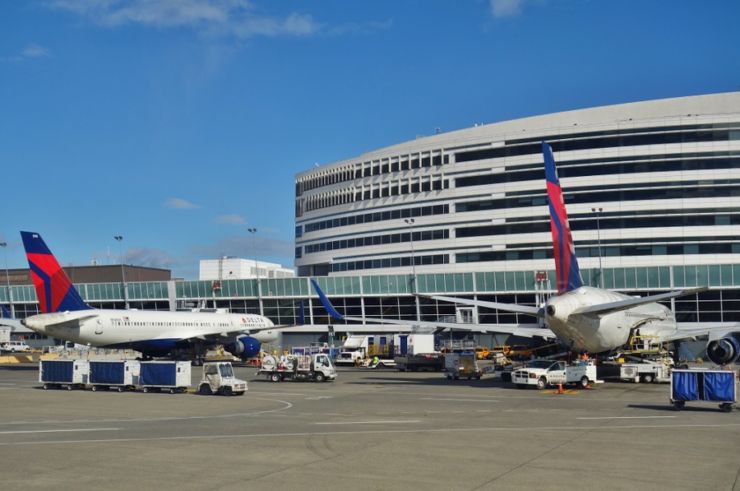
[
  {"x": 514, "y": 330},
  {"x": 13, "y": 324},
  {"x": 508, "y": 307},
  {"x": 607, "y": 308}
]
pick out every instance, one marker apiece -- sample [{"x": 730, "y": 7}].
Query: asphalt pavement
[{"x": 368, "y": 430}]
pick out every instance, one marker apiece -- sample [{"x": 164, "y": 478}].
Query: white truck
[
  {"x": 647, "y": 372},
  {"x": 541, "y": 373},
  {"x": 218, "y": 378},
  {"x": 354, "y": 350},
  {"x": 317, "y": 367},
  {"x": 462, "y": 365}
]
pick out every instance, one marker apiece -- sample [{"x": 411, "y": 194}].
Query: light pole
[
  {"x": 598, "y": 241},
  {"x": 119, "y": 239},
  {"x": 4, "y": 245},
  {"x": 410, "y": 223},
  {"x": 253, "y": 232}
]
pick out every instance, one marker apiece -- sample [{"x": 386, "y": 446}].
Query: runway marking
[
  {"x": 70, "y": 430},
  {"x": 456, "y": 400},
  {"x": 626, "y": 417},
  {"x": 386, "y": 422},
  {"x": 378, "y": 432},
  {"x": 287, "y": 405}
]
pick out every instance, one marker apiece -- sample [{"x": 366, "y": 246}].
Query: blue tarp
[
  {"x": 106, "y": 372},
  {"x": 719, "y": 386},
  {"x": 57, "y": 371},
  {"x": 685, "y": 386},
  {"x": 158, "y": 374}
]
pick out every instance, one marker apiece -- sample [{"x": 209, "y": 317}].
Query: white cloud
[
  {"x": 237, "y": 18},
  {"x": 149, "y": 257},
  {"x": 506, "y": 8},
  {"x": 35, "y": 51},
  {"x": 29, "y": 52},
  {"x": 232, "y": 219},
  {"x": 180, "y": 204}
]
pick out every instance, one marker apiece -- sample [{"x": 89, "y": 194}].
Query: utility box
[
  {"x": 118, "y": 374},
  {"x": 67, "y": 374},
  {"x": 171, "y": 376}
]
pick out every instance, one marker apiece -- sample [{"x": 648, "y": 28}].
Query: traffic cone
[{"x": 560, "y": 389}]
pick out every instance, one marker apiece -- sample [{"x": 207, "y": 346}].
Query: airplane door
[{"x": 98, "y": 326}]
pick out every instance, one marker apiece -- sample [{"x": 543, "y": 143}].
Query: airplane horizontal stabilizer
[
  {"x": 508, "y": 307},
  {"x": 607, "y": 308}
]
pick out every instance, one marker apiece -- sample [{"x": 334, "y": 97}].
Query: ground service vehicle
[
  {"x": 350, "y": 358},
  {"x": 218, "y": 378},
  {"x": 15, "y": 347},
  {"x": 541, "y": 373},
  {"x": 316, "y": 367},
  {"x": 66, "y": 374},
  {"x": 170, "y": 376},
  {"x": 462, "y": 365},
  {"x": 652, "y": 371}
]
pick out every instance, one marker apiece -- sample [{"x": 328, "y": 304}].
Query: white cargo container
[
  {"x": 170, "y": 376},
  {"x": 118, "y": 375},
  {"x": 66, "y": 374}
]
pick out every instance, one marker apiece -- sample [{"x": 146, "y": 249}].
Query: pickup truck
[{"x": 541, "y": 373}]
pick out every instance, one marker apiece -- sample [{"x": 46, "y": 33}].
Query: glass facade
[{"x": 391, "y": 296}]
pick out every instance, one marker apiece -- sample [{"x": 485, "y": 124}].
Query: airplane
[
  {"x": 589, "y": 319},
  {"x": 64, "y": 315}
]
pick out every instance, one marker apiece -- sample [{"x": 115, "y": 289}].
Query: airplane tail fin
[
  {"x": 54, "y": 290},
  {"x": 566, "y": 264},
  {"x": 325, "y": 302}
]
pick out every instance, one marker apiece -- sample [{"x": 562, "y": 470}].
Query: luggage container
[
  {"x": 462, "y": 365},
  {"x": 169, "y": 376},
  {"x": 64, "y": 374},
  {"x": 704, "y": 385},
  {"x": 118, "y": 375}
]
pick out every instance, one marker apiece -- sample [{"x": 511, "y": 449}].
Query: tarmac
[{"x": 368, "y": 430}]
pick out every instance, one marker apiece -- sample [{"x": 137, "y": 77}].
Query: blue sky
[{"x": 180, "y": 123}]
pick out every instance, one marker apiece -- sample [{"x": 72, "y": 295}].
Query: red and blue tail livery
[
  {"x": 53, "y": 288},
  {"x": 566, "y": 265}
]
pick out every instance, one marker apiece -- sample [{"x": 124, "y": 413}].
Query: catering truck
[
  {"x": 541, "y": 373},
  {"x": 168, "y": 376},
  {"x": 354, "y": 350},
  {"x": 316, "y": 367},
  {"x": 416, "y": 352},
  {"x": 64, "y": 374}
]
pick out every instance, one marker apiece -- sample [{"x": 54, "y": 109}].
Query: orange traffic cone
[{"x": 560, "y": 389}]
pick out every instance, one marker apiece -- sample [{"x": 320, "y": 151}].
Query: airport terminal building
[{"x": 653, "y": 196}]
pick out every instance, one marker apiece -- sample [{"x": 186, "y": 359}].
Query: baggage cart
[
  {"x": 704, "y": 385},
  {"x": 118, "y": 375},
  {"x": 169, "y": 376},
  {"x": 64, "y": 374}
]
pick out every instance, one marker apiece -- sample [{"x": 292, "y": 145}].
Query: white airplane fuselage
[
  {"x": 606, "y": 332},
  {"x": 114, "y": 328}
]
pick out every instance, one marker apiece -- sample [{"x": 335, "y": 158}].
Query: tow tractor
[
  {"x": 541, "y": 373},
  {"x": 218, "y": 378}
]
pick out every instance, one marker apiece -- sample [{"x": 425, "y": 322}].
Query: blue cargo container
[
  {"x": 703, "y": 385},
  {"x": 67, "y": 374},
  {"x": 172, "y": 376},
  {"x": 119, "y": 374}
]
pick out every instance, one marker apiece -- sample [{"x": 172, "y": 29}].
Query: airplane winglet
[{"x": 325, "y": 302}]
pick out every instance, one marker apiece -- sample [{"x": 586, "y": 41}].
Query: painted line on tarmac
[
  {"x": 287, "y": 405},
  {"x": 497, "y": 429},
  {"x": 380, "y": 422},
  {"x": 439, "y": 399},
  {"x": 626, "y": 417},
  {"x": 69, "y": 430}
]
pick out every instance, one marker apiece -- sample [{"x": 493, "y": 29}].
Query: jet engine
[
  {"x": 724, "y": 350},
  {"x": 244, "y": 346}
]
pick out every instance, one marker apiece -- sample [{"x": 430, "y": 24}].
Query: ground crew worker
[{"x": 376, "y": 360}]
